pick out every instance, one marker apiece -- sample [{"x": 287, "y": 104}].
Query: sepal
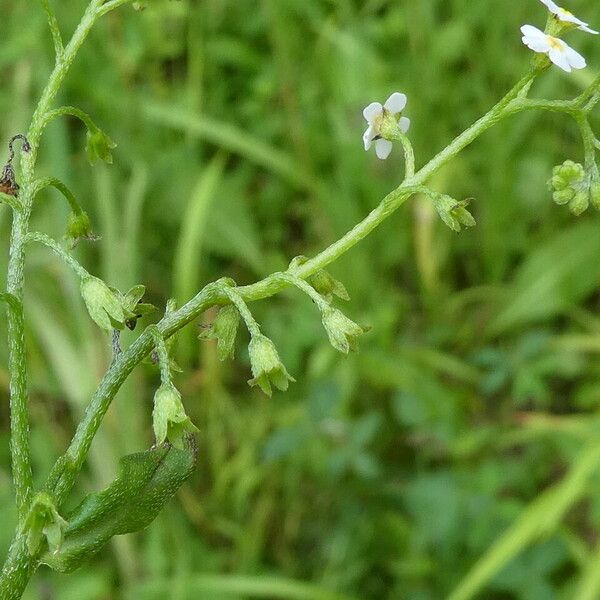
[{"x": 224, "y": 330}]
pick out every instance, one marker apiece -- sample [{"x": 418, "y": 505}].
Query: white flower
[
  {"x": 564, "y": 15},
  {"x": 560, "y": 53},
  {"x": 374, "y": 114}
]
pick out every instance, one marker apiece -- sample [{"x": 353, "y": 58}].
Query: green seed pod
[
  {"x": 103, "y": 304},
  {"x": 98, "y": 146},
  {"x": 267, "y": 367},
  {"x": 169, "y": 419},
  {"x": 343, "y": 333},
  {"x": 79, "y": 227}
]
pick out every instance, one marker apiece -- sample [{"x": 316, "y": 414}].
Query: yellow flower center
[{"x": 556, "y": 44}]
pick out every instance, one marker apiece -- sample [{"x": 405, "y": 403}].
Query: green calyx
[
  {"x": 132, "y": 304},
  {"x": 169, "y": 418},
  {"x": 43, "y": 521},
  {"x": 267, "y": 368},
  {"x": 389, "y": 129},
  {"x": 79, "y": 227},
  {"x": 103, "y": 303},
  {"x": 224, "y": 330},
  {"x": 98, "y": 146},
  {"x": 575, "y": 186},
  {"x": 453, "y": 212},
  {"x": 343, "y": 333}
]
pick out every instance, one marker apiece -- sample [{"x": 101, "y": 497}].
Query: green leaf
[{"x": 146, "y": 481}]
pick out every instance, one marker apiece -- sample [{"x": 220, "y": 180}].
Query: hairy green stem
[
  {"x": 69, "y": 111},
  {"x": 11, "y": 201},
  {"x": 19, "y": 566},
  {"x": 409, "y": 154},
  {"x": 162, "y": 352},
  {"x": 57, "y": 184},
  {"x": 42, "y": 238}
]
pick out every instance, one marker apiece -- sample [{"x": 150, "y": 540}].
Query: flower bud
[
  {"x": 267, "y": 367},
  {"x": 563, "y": 196},
  {"x": 580, "y": 203},
  {"x": 43, "y": 521},
  {"x": 98, "y": 146},
  {"x": 343, "y": 333},
  {"x": 103, "y": 304},
  {"x": 575, "y": 186},
  {"x": 169, "y": 419},
  {"x": 224, "y": 330},
  {"x": 595, "y": 193}
]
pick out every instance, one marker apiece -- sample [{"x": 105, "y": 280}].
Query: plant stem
[
  {"x": 47, "y": 241},
  {"x": 20, "y": 565}
]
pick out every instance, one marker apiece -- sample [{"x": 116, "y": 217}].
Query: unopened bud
[
  {"x": 580, "y": 203},
  {"x": 563, "y": 196},
  {"x": 595, "y": 193}
]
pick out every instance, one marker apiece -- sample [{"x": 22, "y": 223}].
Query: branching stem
[{"x": 20, "y": 565}]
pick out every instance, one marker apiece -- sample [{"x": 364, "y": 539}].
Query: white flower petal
[
  {"x": 533, "y": 32},
  {"x": 395, "y": 103},
  {"x": 537, "y": 44},
  {"x": 368, "y": 136},
  {"x": 587, "y": 29},
  {"x": 559, "y": 58},
  {"x": 383, "y": 148},
  {"x": 404, "y": 124},
  {"x": 551, "y": 6},
  {"x": 575, "y": 59},
  {"x": 372, "y": 111}
]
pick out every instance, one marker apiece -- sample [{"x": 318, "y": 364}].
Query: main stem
[{"x": 20, "y": 565}]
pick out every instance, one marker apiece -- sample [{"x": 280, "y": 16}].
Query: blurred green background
[{"x": 460, "y": 449}]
